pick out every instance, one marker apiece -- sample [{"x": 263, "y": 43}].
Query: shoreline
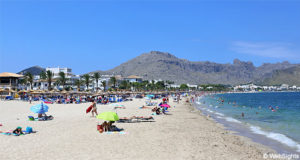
[
  {"x": 240, "y": 139},
  {"x": 253, "y": 132}
]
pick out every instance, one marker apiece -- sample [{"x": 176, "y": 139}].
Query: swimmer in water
[{"x": 243, "y": 115}]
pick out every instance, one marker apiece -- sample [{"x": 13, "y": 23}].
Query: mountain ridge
[{"x": 165, "y": 66}]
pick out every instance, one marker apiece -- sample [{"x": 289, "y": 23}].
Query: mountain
[
  {"x": 290, "y": 76},
  {"x": 35, "y": 70},
  {"x": 165, "y": 66}
]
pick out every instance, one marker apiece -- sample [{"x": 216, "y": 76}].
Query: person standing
[
  {"x": 94, "y": 109},
  {"x": 30, "y": 99}
]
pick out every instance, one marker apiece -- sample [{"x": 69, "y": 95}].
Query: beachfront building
[
  {"x": 133, "y": 78},
  {"x": 192, "y": 86},
  {"x": 9, "y": 82},
  {"x": 56, "y": 70}
]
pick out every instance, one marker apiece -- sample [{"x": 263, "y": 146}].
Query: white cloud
[{"x": 267, "y": 49}]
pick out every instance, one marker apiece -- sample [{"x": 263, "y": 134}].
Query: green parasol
[{"x": 108, "y": 116}]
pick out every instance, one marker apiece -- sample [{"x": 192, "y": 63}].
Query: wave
[
  {"x": 220, "y": 114},
  {"x": 209, "y": 110},
  {"x": 229, "y": 119},
  {"x": 277, "y": 136}
]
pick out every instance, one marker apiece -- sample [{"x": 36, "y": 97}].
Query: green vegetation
[
  {"x": 96, "y": 77},
  {"x": 29, "y": 78},
  {"x": 49, "y": 76},
  {"x": 87, "y": 80},
  {"x": 113, "y": 82}
]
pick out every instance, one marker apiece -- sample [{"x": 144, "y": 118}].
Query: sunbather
[
  {"x": 143, "y": 107},
  {"x": 156, "y": 110},
  {"x": 18, "y": 131}
]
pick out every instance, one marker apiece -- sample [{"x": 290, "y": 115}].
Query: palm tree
[
  {"x": 87, "y": 78},
  {"x": 104, "y": 85},
  {"x": 43, "y": 75},
  {"x": 78, "y": 83},
  {"x": 124, "y": 85},
  {"x": 49, "y": 76},
  {"x": 96, "y": 77},
  {"x": 113, "y": 81},
  {"x": 29, "y": 78},
  {"x": 62, "y": 79},
  {"x": 23, "y": 81}
]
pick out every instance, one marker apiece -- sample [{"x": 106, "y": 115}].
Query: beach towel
[
  {"x": 89, "y": 109},
  {"x": 48, "y": 102},
  {"x": 122, "y": 132}
]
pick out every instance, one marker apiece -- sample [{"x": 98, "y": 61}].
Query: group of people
[{"x": 107, "y": 127}]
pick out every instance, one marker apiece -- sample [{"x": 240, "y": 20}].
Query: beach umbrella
[
  {"x": 165, "y": 105},
  {"x": 150, "y": 96},
  {"x": 108, "y": 116},
  {"x": 39, "y": 108}
]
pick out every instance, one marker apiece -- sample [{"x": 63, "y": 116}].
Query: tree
[
  {"x": 145, "y": 85},
  {"x": 104, "y": 85},
  {"x": 113, "y": 81},
  {"x": 23, "y": 81},
  {"x": 43, "y": 75},
  {"x": 78, "y": 83},
  {"x": 160, "y": 85},
  {"x": 49, "y": 76},
  {"x": 62, "y": 79},
  {"x": 96, "y": 77},
  {"x": 87, "y": 80},
  {"x": 184, "y": 87},
  {"x": 124, "y": 85},
  {"x": 29, "y": 78}
]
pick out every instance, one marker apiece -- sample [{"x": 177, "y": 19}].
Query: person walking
[
  {"x": 30, "y": 99},
  {"x": 94, "y": 109}
]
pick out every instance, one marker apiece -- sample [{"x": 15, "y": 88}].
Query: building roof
[
  {"x": 7, "y": 74},
  {"x": 133, "y": 77}
]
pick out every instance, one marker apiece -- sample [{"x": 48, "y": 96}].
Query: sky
[{"x": 89, "y": 35}]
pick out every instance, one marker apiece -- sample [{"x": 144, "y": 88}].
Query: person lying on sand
[
  {"x": 143, "y": 107},
  {"x": 156, "y": 110},
  {"x": 18, "y": 131},
  {"x": 119, "y": 107}
]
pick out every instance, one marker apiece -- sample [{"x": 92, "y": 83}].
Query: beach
[{"x": 72, "y": 134}]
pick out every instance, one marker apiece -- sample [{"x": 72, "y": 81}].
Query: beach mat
[{"x": 122, "y": 132}]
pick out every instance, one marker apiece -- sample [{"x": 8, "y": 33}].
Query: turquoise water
[{"x": 281, "y": 124}]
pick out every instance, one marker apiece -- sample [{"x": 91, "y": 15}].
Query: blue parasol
[{"x": 39, "y": 108}]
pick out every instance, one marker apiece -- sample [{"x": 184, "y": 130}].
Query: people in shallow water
[{"x": 243, "y": 115}]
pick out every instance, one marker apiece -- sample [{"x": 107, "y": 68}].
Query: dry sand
[{"x": 184, "y": 134}]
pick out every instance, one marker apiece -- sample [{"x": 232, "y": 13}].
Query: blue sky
[{"x": 99, "y": 35}]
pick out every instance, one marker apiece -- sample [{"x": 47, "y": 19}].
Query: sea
[{"x": 269, "y": 118}]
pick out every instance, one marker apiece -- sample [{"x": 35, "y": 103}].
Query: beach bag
[
  {"x": 29, "y": 129},
  {"x": 31, "y": 118},
  {"x": 100, "y": 128}
]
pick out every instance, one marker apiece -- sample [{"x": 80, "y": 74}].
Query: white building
[
  {"x": 57, "y": 70},
  {"x": 133, "y": 78}
]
